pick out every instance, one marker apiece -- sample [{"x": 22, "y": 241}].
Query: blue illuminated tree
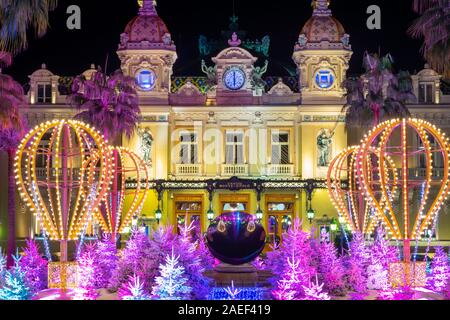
[
  {"x": 171, "y": 284},
  {"x": 2, "y": 267},
  {"x": 16, "y": 286}
]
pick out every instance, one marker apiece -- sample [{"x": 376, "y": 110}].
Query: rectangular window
[
  {"x": 188, "y": 148},
  {"x": 426, "y": 93},
  {"x": 436, "y": 154},
  {"x": 234, "y": 148},
  {"x": 44, "y": 93},
  {"x": 280, "y": 148}
]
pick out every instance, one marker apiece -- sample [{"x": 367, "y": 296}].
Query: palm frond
[{"x": 17, "y": 17}]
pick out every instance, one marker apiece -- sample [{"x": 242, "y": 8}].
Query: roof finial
[
  {"x": 321, "y": 8},
  {"x": 147, "y": 7}
]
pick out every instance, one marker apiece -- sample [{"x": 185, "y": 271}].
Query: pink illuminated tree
[
  {"x": 296, "y": 243},
  {"x": 35, "y": 266},
  {"x": 87, "y": 276},
  {"x": 330, "y": 270},
  {"x": 382, "y": 252},
  {"x": 440, "y": 271},
  {"x": 133, "y": 290},
  {"x": 315, "y": 291},
  {"x": 106, "y": 258},
  {"x": 291, "y": 285},
  {"x": 356, "y": 264}
]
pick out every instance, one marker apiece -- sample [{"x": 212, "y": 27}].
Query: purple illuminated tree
[
  {"x": 356, "y": 264},
  {"x": 133, "y": 290},
  {"x": 190, "y": 258},
  {"x": 206, "y": 258},
  {"x": 87, "y": 275},
  {"x": 106, "y": 259},
  {"x": 440, "y": 271},
  {"x": 330, "y": 269},
  {"x": 132, "y": 261},
  {"x": 12, "y": 128},
  {"x": 296, "y": 243},
  {"x": 35, "y": 266},
  {"x": 315, "y": 291},
  {"x": 382, "y": 252},
  {"x": 292, "y": 284}
]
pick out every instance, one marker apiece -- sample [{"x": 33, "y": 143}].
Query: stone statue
[
  {"x": 346, "y": 40},
  {"x": 324, "y": 143},
  {"x": 167, "y": 39},
  {"x": 257, "y": 74},
  {"x": 124, "y": 39},
  {"x": 146, "y": 142},
  {"x": 211, "y": 74},
  {"x": 302, "y": 40}
]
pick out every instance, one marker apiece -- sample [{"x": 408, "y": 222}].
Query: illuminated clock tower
[
  {"x": 148, "y": 54},
  {"x": 235, "y": 67},
  {"x": 322, "y": 56}
]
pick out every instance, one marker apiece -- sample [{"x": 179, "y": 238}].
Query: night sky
[{"x": 71, "y": 52}]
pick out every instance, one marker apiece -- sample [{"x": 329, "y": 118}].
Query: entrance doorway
[
  {"x": 189, "y": 210},
  {"x": 280, "y": 211}
]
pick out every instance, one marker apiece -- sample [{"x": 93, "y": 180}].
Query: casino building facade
[{"x": 231, "y": 141}]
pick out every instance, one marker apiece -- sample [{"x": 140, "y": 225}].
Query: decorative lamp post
[
  {"x": 134, "y": 222},
  {"x": 210, "y": 214},
  {"x": 333, "y": 225},
  {"x": 310, "y": 214},
  {"x": 158, "y": 214},
  {"x": 259, "y": 214}
]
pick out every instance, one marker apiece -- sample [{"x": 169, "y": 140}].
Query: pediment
[{"x": 234, "y": 53}]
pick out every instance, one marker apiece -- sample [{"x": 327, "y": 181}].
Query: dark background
[{"x": 69, "y": 53}]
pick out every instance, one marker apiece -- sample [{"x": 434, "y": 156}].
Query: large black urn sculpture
[{"x": 236, "y": 238}]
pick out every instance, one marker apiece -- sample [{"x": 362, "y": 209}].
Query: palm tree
[
  {"x": 17, "y": 16},
  {"x": 109, "y": 103},
  {"x": 11, "y": 130},
  {"x": 433, "y": 26},
  {"x": 112, "y": 105},
  {"x": 378, "y": 94}
]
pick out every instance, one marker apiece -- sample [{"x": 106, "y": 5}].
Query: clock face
[
  {"x": 234, "y": 79},
  {"x": 146, "y": 80},
  {"x": 324, "y": 78}
]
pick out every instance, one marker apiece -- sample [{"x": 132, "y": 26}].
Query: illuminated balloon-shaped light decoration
[
  {"x": 350, "y": 201},
  {"x": 112, "y": 215},
  {"x": 62, "y": 173},
  {"x": 398, "y": 139}
]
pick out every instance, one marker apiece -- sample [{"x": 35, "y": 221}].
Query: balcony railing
[
  {"x": 280, "y": 170},
  {"x": 188, "y": 169},
  {"x": 416, "y": 173},
  {"x": 42, "y": 172},
  {"x": 230, "y": 170}
]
